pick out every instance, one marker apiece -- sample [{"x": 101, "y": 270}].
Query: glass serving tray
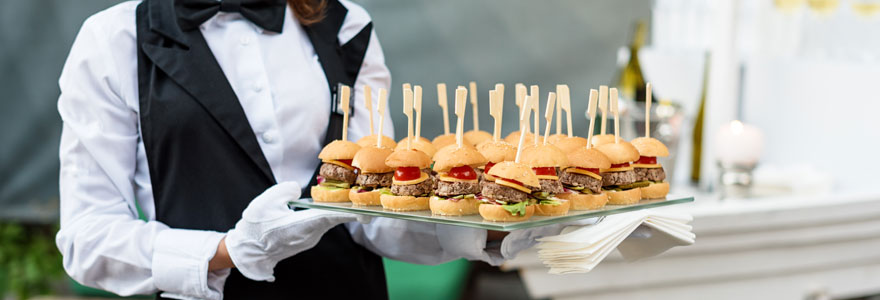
[{"x": 476, "y": 221}]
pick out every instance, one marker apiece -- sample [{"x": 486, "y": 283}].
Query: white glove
[
  {"x": 269, "y": 231},
  {"x": 519, "y": 240}
]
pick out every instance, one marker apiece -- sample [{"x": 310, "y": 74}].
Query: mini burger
[
  {"x": 494, "y": 152},
  {"x": 570, "y": 144},
  {"x": 457, "y": 183},
  {"x": 421, "y": 144},
  {"x": 648, "y": 170},
  {"x": 508, "y": 198},
  {"x": 619, "y": 181},
  {"x": 336, "y": 175},
  {"x": 374, "y": 176},
  {"x": 582, "y": 179},
  {"x": 411, "y": 185},
  {"x": 545, "y": 161},
  {"x": 370, "y": 140}
]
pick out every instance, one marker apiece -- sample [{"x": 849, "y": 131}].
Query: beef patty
[
  {"x": 455, "y": 188},
  {"x": 618, "y": 178},
  {"x": 581, "y": 180},
  {"x": 650, "y": 174},
  {"x": 550, "y": 186},
  {"x": 375, "y": 180},
  {"x": 335, "y": 172},
  {"x": 503, "y": 193},
  {"x": 417, "y": 189}
]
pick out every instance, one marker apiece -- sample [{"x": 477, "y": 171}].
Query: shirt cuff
[
  {"x": 468, "y": 243},
  {"x": 180, "y": 264}
]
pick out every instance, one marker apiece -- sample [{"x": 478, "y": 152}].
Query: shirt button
[
  {"x": 269, "y": 137},
  {"x": 245, "y": 40}
]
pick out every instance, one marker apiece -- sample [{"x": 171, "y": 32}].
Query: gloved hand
[
  {"x": 269, "y": 231},
  {"x": 519, "y": 240}
]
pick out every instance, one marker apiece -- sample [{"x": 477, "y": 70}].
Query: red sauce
[
  {"x": 647, "y": 160},
  {"x": 545, "y": 171},
  {"x": 594, "y": 171},
  {"x": 623, "y": 165},
  {"x": 488, "y": 166}
]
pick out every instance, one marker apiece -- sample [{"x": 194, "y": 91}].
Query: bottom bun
[
  {"x": 553, "y": 210},
  {"x": 630, "y": 196},
  {"x": 404, "y": 203},
  {"x": 320, "y": 194},
  {"x": 494, "y": 212},
  {"x": 365, "y": 198},
  {"x": 581, "y": 201},
  {"x": 462, "y": 207},
  {"x": 655, "y": 190}
]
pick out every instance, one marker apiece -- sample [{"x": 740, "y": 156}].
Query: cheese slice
[
  {"x": 444, "y": 177},
  {"x": 513, "y": 186},
  {"x": 548, "y": 177},
  {"x": 339, "y": 163},
  {"x": 584, "y": 172},
  {"x": 488, "y": 177},
  {"x": 618, "y": 169},
  {"x": 647, "y": 166},
  {"x": 414, "y": 181}
]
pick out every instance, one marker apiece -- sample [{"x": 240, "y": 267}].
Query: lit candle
[{"x": 738, "y": 143}]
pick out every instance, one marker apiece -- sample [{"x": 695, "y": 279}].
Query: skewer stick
[
  {"x": 564, "y": 100},
  {"x": 591, "y": 110},
  {"x": 368, "y": 103},
  {"x": 441, "y": 100},
  {"x": 616, "y": 114},
  {"x": 417, "y": 105},
  {"x": 523, "y": 120},
  {"x": 460, "y": 105},
  {"x": 648, "y": 110},
  {"x": 408, "y": 110},
  {"x": 548, "y": 115},
  {"x": 534, "y": 92},
  {"x": 473, "y": 90},
  {"x": 496, "y": 109},
  {"x": 520, "y": 90},
  {"x": 383, "y": 99},
  {"x": 559, "y": 97},
  {"x": 345, "y": 95},
  {"x": 603, "y": 106}
]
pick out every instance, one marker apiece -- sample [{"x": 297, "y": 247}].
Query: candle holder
[{"x": 735, "y": 179}]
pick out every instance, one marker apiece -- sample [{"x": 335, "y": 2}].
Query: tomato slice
[
  {"x": 463, "y": 173},
  {"x": 623, "y": 165},
  {"x": 545, "y": 171},
  {"x": 647, "y": 160},
  {"x": 512, "y": 181},
  {"x": 407, "y": 173},
  {"x": 487, "y": 167},
  {"x": 594, "y": 171},
  {"x": 345, "y": 161}
]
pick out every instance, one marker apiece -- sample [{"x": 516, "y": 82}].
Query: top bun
[
  {"x": 620, "y": 152},
  {"x": 408, "y": 158},
  {"x": 338, "y": 149},
  {"x": 421, "y": 145},
  {"x": 588, "y": 159},
  {"x": 453, "y": 156},
  {"x": 497, "y": 151},
  {"x": 513, "y": 138},
  {"x": 543, "y": 156},
  {"x": 421, "y": 138},
  {"x": 602, "y": 139},
  {"x": 372, "y": 160},
  {"x": 477, "y": 136},
  {"x": 448, "y": 139},
  {"x": 569, "y": 144},
  {"x": 515, "y": 171},
  {"x": 553, "y": 139},
  {"x": 370, "y": 140},
  {"x": 650, "y": 147}
]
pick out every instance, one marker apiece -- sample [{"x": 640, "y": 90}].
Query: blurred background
[{"x": 767, "y": 106}]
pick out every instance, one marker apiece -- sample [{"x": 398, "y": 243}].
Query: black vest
[{"x": 206, "y": 165}]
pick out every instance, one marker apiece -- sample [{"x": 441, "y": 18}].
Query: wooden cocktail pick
[
  {"x": 460, "y": 105},
  {"x": 345, "y": 96},
  {"x": 548, "y": 115},
  {"x": 383, "y": 99},
  {"x": 591, "y": 110},
  {"x": 441, "y": 100}
]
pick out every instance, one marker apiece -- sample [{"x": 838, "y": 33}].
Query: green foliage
[{"x": 29, "y": 261}]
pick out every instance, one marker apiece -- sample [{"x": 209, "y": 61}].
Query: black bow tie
[{"x": 268, "y": 14}]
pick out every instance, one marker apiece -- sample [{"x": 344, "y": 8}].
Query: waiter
[{"x": 189, "y": 124}]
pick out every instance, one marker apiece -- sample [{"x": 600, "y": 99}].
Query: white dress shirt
[{"x": 104, "y": 173}]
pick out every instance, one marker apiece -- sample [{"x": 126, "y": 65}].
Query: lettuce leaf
[
  {"x": 517, "y": 209},
  {"x": 335, "y": 184},
  {"x": 550, "y": 202}
]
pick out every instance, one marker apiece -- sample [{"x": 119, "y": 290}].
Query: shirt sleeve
[
  {"x": 103, "y": 242},
  {"x": 415, "y": 242}
]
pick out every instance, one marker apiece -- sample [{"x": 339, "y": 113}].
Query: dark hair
[{"x": 308, "y": 12}]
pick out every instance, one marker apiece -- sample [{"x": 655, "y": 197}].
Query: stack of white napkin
[{"x": 580, "y": 248}]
